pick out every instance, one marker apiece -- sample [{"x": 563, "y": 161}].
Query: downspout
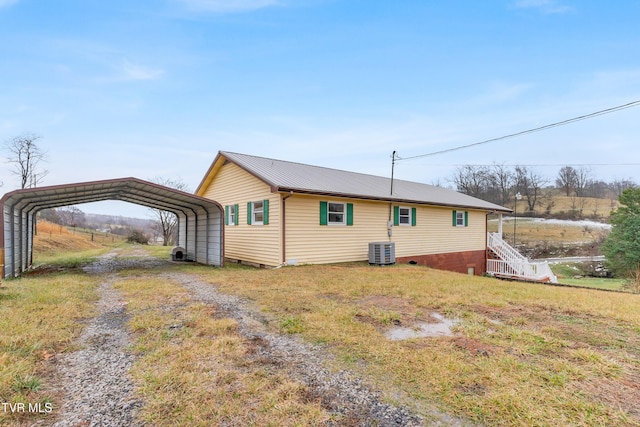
[{"x": 284, "y": 226}]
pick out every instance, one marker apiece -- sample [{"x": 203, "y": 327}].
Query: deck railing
[{"x": 513, "y": 264}]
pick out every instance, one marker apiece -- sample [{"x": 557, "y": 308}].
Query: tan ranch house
[{"x": 279, "y": 212}]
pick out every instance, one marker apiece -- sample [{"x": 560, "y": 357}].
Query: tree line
[{"x": 499, "y": 184}]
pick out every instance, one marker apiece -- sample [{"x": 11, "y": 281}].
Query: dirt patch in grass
[
  {"x": 383, "y": 311},
  {"x": 624, "y": 392},
  {"x": 476, "y": 347}
]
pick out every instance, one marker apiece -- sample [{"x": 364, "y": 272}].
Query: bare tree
[
  {"x": 72, "y": 216},
  {"x": 166, "y": 222},
  {"x": 530, "y": 185},
  {"x": 584, "y": 178},
  {"x": 501, "y": 182},
  {"x": 25, "y": 155},
  {"x": 471, "y": 180},
  {"x": 618, "y": 186},
  {"x": 566, "y": 179}
]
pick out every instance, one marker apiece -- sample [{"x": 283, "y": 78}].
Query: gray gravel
[
  {"x": 96, "y": 388},
  {"x": 98, "y": 391}
]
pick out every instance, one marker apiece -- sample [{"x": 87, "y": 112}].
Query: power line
[
  {"x": 540, "y": 164},
  {"x": 538, "y": 129}
]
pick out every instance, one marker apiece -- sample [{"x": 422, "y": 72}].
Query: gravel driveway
[{"x": 98, "y": 391}]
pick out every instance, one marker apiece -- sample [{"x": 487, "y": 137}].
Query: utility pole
[
  {"x": 393, "y": 165},
  {"x": 390, "y": 222}
]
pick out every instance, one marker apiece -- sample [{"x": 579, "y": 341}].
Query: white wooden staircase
[{"x": 510, "y": 263}]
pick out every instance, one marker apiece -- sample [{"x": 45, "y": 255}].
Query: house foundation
[{"x": 468, "y": 262}]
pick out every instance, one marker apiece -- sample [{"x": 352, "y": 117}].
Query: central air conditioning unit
[{"x": 382, "y": 253}]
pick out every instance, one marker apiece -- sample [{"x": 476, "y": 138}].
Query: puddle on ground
[{"x": 442, "y": 328}]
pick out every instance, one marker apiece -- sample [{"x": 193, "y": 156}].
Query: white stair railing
[{"x": 513, "y": 264}]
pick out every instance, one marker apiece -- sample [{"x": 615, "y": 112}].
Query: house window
[
  {"x": 231, "y": 215},
  {"x": 404, "y": 216},
  {"x": 334, "y": 213},
  {"x": 460, "y": 218},
  {"x": 258, "y": 212}
]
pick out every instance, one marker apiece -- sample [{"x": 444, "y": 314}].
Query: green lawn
[{"x": 574, "y": 273}]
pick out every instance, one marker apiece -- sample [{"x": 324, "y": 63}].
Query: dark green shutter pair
[
  {"x": 396, "y": 216},
  {"x": 324, "y": 213},
  {"x": 227, "y": 210},
  {"x": 265, "y": 212},
  {"x": 455, "y": 217}
]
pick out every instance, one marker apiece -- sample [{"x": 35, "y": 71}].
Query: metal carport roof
[{"x": 200, "y": 220}]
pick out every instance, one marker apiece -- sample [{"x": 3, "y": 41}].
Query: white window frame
[
  {"x": 232, "y": 215},
  {"x": 257, "y": 211},
  {"x": 343, "y": 213},
  {"x": 406, "y": 215},
  {"x": 460, "y": 218}
]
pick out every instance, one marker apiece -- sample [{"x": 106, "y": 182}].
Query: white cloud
[
  {"x": 545, "y": 6},
  {"x": 131, "y": 71},
  {"x": 228, "y": 5}
]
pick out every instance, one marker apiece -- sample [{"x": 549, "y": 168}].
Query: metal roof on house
[{"x": 287, "y": 176}]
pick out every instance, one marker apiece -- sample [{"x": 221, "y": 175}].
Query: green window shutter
[
  {"x": 454, "y": 218},
  {"x": 396, "y": 215},
  {"x": 413, "y": 217},
  {"x": 236, "y": 218},
  {"x": 349, "y": 213},
  {"x": 249, "y": 214},
  {"x": 226, "y": 215},
  {"x": 265, "y": 212},
  {"x": 324, "y": 212},
  {"x": 466, "y": 218}
]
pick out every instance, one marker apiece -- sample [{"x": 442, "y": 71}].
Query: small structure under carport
[{"x": 200, "y": 220}]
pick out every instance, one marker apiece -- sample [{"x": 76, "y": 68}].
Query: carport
[{"x": 200, "y": 220}]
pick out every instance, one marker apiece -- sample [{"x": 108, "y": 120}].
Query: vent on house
[
  {"x": 382, "y": 253},
  {"x": 178, "y": 254}
]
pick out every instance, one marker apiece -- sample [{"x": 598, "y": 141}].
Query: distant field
[
  {"x": 53, "y": 240},
  {"x": 531, "y": 230},
  {"x": 588, "y": 207}
]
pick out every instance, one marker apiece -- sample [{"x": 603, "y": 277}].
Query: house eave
[{"x": 289, "y": 190}]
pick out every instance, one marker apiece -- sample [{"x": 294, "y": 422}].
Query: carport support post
[
  {"x": 2, "y": 261},
  {"x": 33, "y": 222},
  {"x": 12, "y": 242}
]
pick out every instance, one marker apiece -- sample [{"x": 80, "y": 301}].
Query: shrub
[{"x": 137, "y": 236}]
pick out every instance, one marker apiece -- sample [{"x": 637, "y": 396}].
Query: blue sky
[{"x": 155, "y": 88}]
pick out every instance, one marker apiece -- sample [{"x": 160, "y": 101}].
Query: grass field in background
[{"x": 54, "y": 243}]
